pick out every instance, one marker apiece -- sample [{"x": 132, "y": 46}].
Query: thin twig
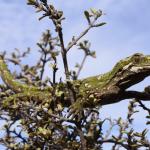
[
  {"x": 74, "y": 42},
  {"x": 64, "y": 53},
  {"x": 115, "y": 142},
  {"x": 54, "y": 74},
  {"x": 81, "y": 66},
  {"x": 43, "y": 66},
  {"x": 18, "y": 135},
  {"x": 44, "y": 60},
  {"x": 82, "y": 138},
  {"x": 62, "y": 118},
  {"x": 143, "y": 106}
]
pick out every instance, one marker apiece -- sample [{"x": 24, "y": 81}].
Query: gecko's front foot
[{"x": 76, "y": 111}]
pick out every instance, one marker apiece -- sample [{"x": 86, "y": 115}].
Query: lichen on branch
[{"x": 103, "y": 89}]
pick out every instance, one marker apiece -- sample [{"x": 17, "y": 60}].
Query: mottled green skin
[
  {"x": 95, "y": 85},
  {"x": 10, "y": 81},
  {"x": 100, "y": 81},
  {"x": 86, "y": 86},
  {"x": 23, "y": 91}
]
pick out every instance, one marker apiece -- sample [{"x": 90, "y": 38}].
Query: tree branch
[
  {"x": 71, "y": 44},
  {"x": 135, "y": 94},
  {"x": 97, "y": 90}
]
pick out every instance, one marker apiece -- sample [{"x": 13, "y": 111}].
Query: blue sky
[{"x": 127, "y": 32}]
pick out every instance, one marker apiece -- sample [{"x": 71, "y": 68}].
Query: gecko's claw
[{"x": 75, "y": 111}]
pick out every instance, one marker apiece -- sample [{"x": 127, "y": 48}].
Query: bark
[{"x": 108, "y": 88}]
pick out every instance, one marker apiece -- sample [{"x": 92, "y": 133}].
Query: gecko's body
[{"x": 90, "y": 88}]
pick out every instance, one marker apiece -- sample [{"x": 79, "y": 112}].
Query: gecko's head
[{"x": 140, "y": 59}]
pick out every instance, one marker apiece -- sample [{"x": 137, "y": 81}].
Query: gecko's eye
[{"x": 137, "y": 58}]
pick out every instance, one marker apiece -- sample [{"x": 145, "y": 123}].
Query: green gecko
[
  {"x": 22, "y": 91},
  {"x": 101, "y": 81},
  {"x": 87, "y": 89},
  {"x": 93, "y": 89}
]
